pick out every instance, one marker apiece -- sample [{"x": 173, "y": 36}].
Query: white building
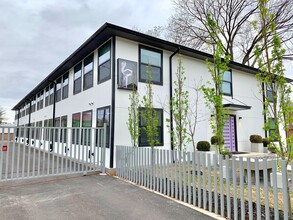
[{"x": 92, "y": 86}]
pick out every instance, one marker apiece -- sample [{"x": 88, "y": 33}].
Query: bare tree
[{"x": 236, "y": 19}]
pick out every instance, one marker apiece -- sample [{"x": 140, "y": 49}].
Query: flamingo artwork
[{"x": 126, "y": 74}]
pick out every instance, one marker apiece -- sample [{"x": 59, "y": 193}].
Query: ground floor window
[
  {"x": 142, "y": 141},
  {"x": 103, "y": 116}
]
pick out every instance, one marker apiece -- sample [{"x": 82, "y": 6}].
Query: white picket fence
[
  {"x": 237, "y": 188},
  {"x": 29, "y": 152}
]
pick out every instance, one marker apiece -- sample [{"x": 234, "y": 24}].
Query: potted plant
[
  {"x": 272, "y": 148},
  {"x": 204, "y": 148},
  {"x": 256, "y": 143},
  {"x": 266, "y": 143},
  {"x": 215, "y": 143}
]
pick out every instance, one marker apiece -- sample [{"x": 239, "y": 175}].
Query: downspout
[
  {"x": 54, "y": 104},
  {"x": 171, "y": 94},
  {"x": 29, "y": 122},
  {"x": 264, "y": 106},
  {"x": 17, "y": 126}
]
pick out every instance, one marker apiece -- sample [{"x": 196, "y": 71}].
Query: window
[
  {"x": 39, "y": 130},
  {"x": 77, "y": 79},
  {"x": 65, "y": 86},
  {"x": 269, "y": 93},
  {"x": 142, "y": 141},
  {"x": 86, "y": 123},
  {"x": 58, "y": 90},
  {"x": 51, "y": 94},
  {"x": 27, "y": 108},
  {"x": 41, "y": 101},
  {"x": 57, "y": 125},
  {"x": 75, "y": 124},
  {"x": 104, "y": 62},
  {"x": 38, "y": 101},
  {"x": 103, "y": 116},
  {"x": 47, "y": 96},
  {"x": 88, "y": 72},
  {"x": 272, "y": 129},
  {"x": 33, "y": 107},
  {"x": 63, "y": 135},
  {"x": 151, "y": 60},
  {"x": 227, "y": 83}
]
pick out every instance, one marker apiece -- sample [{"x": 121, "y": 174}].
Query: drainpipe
[
  {"x": 17, "y": 129},
  {"x": 264, "y": 99},
  {"x": 171, "y": 93},
  {"x": 54, "y": 109}
]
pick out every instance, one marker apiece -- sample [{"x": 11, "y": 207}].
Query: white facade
[{"x": 245, "y": 91}]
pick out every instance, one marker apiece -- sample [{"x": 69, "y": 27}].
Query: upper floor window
[
  {"x": 77, "y": 79},
  {"x": 269, "y": 93},
  {"x": 143, "y": 140},
  {"x": 58, "y": 90},
  {"x": 227, "y": 83},
  {"x": 104, "y": 67},
  {"x": 150, "y": 60},
  {"x": 51, "y": 94},
  {"x": 33, "y": 105},
  {"x": 65, "y": 86},
  {"x": 47, "y": 93},
  {"x": 88, "y": 72}
]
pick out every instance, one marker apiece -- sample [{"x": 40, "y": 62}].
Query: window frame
[
  {"x": 100, "y": 64},
  {"x": 58, "y": 90},
  {"x": 80, "y": 77},
  {"x": 104, "y": 119},
  {"x": 65, "y": 95},
  {"x": 230, "y": 83},
  {"x": 141, "y": 127},
  {"x": 269, "y": 90},
  {"x": 140, "y": 63},
  {"x": 85, "y": 87}
]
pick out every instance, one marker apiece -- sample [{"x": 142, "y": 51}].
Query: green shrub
[
  {"x": 255, "y": 138},
  {"x": 215, "y": 140},
  {"x": 272, "y": 148},
  {"x": 225, "y": 152},
  {"x": 203, "y": 146},
  {"x": 265, "y": 142}
]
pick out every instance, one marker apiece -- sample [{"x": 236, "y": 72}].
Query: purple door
[{"x": 229, "y": 134}]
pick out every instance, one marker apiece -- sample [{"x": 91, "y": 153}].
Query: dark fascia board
[{"x": 104, "y": 33}]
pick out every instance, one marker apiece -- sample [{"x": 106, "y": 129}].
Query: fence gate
[{"x": 28, "y": 152}]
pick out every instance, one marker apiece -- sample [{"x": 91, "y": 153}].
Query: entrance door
[{"x": 229, "y": 134}]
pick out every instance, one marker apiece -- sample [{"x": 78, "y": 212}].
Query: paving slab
[{"x": 87, "y": 197}]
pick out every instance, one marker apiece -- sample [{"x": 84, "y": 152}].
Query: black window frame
[
  {"x": 140, "y": 63},
  {"x": 77, "y": 68},
  {"x": 230, "y": 83},
  {"x": 88, "y": 73},
  {"x": 161, "y": 131},
  {"x": 65, "y": 86},
  {"x": 103, "y": 63},
  {"x": 104, "y": 121},
  {"x": 58, "y": 89}
]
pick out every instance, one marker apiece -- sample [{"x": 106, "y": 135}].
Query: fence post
[{"x": 104, "y": 148}]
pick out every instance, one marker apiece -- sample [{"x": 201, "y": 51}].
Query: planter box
[
  {"x": 225, "y": 172},
  {"x": 206, "y": 155},
  {"x": 257, "y": 147}
]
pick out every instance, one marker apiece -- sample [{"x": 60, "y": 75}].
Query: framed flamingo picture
[{"x": 127, "y": 74}]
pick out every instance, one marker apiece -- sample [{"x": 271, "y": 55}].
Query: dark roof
[{"x": 104, "y": 33}]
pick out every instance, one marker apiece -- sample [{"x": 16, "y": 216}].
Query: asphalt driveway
[{"x": 87, "y": 197}]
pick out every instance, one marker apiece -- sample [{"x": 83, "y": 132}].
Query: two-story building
[{"x": 93, "y": 84}]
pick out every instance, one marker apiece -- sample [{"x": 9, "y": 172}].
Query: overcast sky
[{"x": 36, "y": 36}]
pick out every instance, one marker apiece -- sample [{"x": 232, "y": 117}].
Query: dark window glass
[
  {"x": 77, "y": 79},
  {"x": 150, "y": 60},
  {"x": 88, "y": 72},
  {"x": 75, "y": 124},
  {"x": 41, "y": 99},
  {"x": 269, "y": 93},
  {"x": 227, "y": 83},
  {"x": 104, "y": 67},
  {"x": 47, "y": 96},
  {"x": 65, "y": 86},
  {"x": 86, "y": 123},
  {"x": 272, "y": 129},
  {"x": 143, "y": 136},
  {"x": 57, "y": 131},
  {"x": 51, "y": 94},
  {"x": 58, "y": 90},
  {"x": 63, "y": 135},
  {"x": 103, "y": 116}
]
